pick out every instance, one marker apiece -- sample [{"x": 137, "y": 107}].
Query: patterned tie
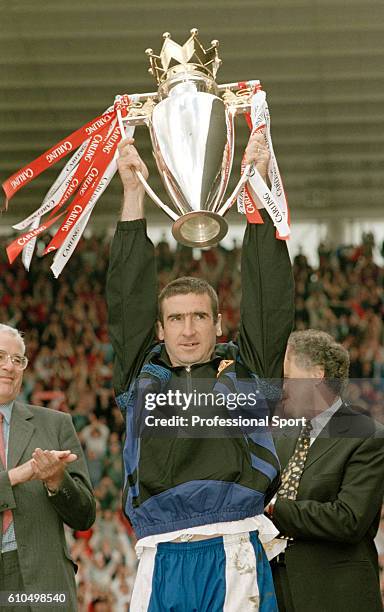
[
  {"x": 7, "y": 514},
  {"x": 290, "y": 477}
]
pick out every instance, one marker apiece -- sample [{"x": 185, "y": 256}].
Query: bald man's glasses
[{"x": 19, "y": 361}]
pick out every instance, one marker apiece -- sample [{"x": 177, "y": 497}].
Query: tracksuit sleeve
[
  {"x": 131, "y": 299},
  {"x": 267, "y": 306}
]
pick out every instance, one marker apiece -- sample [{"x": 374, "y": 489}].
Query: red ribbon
[
  {"x": 54, "y": 154},
  {"x": 82, "y": 169},
  {"x": 15, "y": 248},
  {"x": 87, "y": 188}
]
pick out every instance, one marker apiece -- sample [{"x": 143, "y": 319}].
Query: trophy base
[{"x": 199, "y": 229}]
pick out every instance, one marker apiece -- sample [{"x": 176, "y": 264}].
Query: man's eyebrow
[
  {"x": 184, "y": 314},
  {"x": 201, "y": 312}
]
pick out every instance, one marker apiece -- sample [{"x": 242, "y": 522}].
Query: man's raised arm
[
  {"x": 132, "y": 280},
  {"x": 267, "y": 305}
]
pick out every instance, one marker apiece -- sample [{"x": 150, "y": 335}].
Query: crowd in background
[{"x": 65, "y": 325}]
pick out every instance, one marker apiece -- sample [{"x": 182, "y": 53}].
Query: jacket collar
[{"x": 164, "y": 360}]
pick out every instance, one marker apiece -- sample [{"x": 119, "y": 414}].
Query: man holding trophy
[{"x": 196, "y": 501}]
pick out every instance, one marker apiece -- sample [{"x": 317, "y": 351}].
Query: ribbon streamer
[
  {"x": 15, "y": 248},
  {"x": 274, "y": 199},
  {"x": 84, "y": 178},
  {"x": 68, "y": 246},
  {"x": 54, "y": 154},
  {"x": 87, "y": 188}
]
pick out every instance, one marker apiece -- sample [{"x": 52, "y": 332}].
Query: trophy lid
[{"x": 191, "y": 58}]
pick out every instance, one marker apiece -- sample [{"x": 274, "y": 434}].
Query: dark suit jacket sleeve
[
  {"x": 348, "y": 517},
  {"x": 267, "y": 306},
  {"x": 132, "y": 299},
  {"x": 7, "y": 499},
  {"x": 74, "y": 501}
]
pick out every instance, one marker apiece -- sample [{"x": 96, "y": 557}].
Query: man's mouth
[{"x": 189, "y": 344}]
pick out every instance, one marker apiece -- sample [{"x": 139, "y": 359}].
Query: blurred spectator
[{"x": 95, "y": 437}]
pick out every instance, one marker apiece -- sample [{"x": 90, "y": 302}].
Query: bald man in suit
[{"x": 44, "y": 483}]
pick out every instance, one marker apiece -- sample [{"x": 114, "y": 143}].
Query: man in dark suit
[
  {"x": 40, "y": 490},
  {"x": 328, "y": 505}
]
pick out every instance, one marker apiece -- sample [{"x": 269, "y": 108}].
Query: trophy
[
  {"x": 191, "y": 124},
  {"x": 192, "y": 133}
]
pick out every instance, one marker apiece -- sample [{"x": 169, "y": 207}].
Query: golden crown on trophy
[{"x": 188, "y": 58}]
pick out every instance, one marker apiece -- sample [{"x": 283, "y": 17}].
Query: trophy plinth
[{"x": 199, "y": 229}]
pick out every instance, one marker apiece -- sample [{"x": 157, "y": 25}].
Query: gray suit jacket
[{"x": 44, "y": 559}]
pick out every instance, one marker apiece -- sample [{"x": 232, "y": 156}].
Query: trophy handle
[
  {"x": 243, "y": 179},
  {"x": 155, "y": 198},
  {"x": 148, "y": 189}
]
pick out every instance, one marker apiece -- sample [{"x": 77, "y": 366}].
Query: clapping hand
[{"x": 49, "y": 465}]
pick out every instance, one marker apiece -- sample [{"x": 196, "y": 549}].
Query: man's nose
[{"x": 189, "y": 328}]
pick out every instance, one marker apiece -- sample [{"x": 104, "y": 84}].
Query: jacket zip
[{"x": 189, "y": 379}]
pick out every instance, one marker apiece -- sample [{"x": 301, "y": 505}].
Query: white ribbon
[
  {"x": 51, "y": 199},
  {"x": 48, "y": 204},
  {"x": 70, "y": 165},
  {"x": 29, "y": 248},
  {"x": 273, "y": 199},
  {"x": 65, "y": 251}
]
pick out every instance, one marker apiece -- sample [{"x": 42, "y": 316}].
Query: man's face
[
  {"x": 300, "y": 385},
  {"x": 188, "y": 330},
  {"x": 10, "y": 377}
]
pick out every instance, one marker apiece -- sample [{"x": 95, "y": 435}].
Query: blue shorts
[{"x": 227, "y": 573}]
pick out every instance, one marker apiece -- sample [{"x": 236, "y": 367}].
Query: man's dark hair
[
  {"x": 188, "y": 284},
  {"x": 312, "y": 347}
]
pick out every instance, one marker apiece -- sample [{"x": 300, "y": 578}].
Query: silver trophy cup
[{"x": 192, "y": 133}]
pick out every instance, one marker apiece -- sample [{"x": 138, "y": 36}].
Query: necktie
[
  {"x": 7, "y": 514},
  {"x": 290, "y": 477}
]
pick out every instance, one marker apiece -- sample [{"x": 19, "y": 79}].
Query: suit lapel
[
  {"x": 319, "y": 447},
  {"x": 285, "y": 444},
  {"x": 338, "y": 427},
  {"x": 21, "y": 431}
]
